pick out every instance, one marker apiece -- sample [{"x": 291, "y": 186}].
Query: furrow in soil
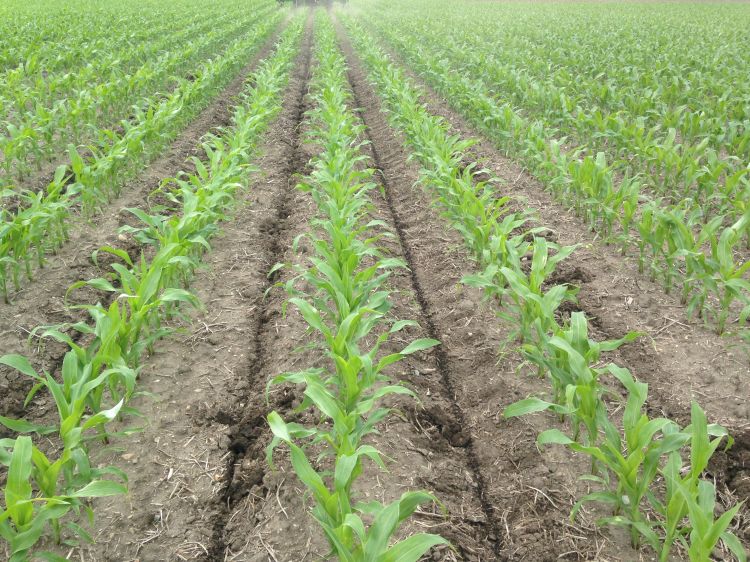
[
  {"x": 527, "y": 494},
  {"x": 680, "y": 359},
  {"x": 449, "y": 417}
]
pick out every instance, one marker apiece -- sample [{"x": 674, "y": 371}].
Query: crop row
[
  {"x": 704, "y": 262},
  {"x": 48, "y": 37},
  {"x": 40, "y": 223},
  {"x": 638, "y": 462},
  {"x": 44, "y": 117},
  {"x": 347, "y": 309},
  {"x": 684, "y": 135},
  {"x": 99, "y": 372}
]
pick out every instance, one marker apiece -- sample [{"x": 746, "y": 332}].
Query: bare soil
[{"x": 41, "y": 301}]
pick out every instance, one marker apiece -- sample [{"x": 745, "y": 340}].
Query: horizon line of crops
[
  {"x": 51, "y": 39},
  {"x": 627, "y": 460},
  {"x": 703, "y": 261},
  {"x": 36, "y": 129},
  {"x": 40, "y": 227},
  {"x": 103, "y": 369},
  {"x": 346, "y": 306}
]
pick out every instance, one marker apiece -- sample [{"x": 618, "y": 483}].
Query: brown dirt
[
  {"x": 40, "y": 178},
  {"x": 525, "y": 495},
  {"x": 280, "y": 527},
  {"x": 200, "y": 485}
]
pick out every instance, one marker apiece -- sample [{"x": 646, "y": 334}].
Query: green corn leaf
[
  {"x": 18, "y": 486},
  {"x": 307, "y": 474},
  {"x": 23, "y": 426},
  {"x": 419, "y": 345},
  {"x": 413, "y": 548},
  {"x": 309, "y": 313},
  {"x": 734, "y": 545},
  {"x": 279, "y": 427},
  {"x": 100, "y": 489},
  {"x": 530, "y": 406},
  {"x": 19, "y": 363},
  {"x": 103, "y": 417}
]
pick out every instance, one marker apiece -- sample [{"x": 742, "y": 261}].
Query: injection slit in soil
[
  {"x": 245, "y": 432},
  {"x": 459, "y": 436}
]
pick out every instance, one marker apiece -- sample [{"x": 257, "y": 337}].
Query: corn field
[{"x": 379, "y": 281}]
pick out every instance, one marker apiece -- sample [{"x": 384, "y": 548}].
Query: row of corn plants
[
  {"x": 346, "y": 308},
  {"x": 41, "y": 81},
  {"x": 87, "y": 113},
  {"x": 47, "y": 38},
  {"x": 638, "y": 463},
  {"x": 699, "y": 169},
  {"x": 685, "y": 136},
  {"x": 102, "y": 94},
  {"x": 101, "y": 368},
  {"x": 704, "y": 262},
  {"x": 40, "y": 224}
]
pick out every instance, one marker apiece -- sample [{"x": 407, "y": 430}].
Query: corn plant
[
  {"x": 346, "y": 307},
  {"x": 534, "y": 307},
  {"x": 633, "y": 464},
  {"x": 595, "y": 173},
  {"x": 706, "y": 531},
  {"x": 24, "y": 516},
  {"x": 568, "y": 358},
  {"x": 684, "y": 487}
]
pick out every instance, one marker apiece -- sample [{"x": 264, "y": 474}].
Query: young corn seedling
[
  {"x": 633, "y": 463},
  {"x": 569, "y": 357},
  {"x": 728, "y": 279},
  {"x": 682, "y": 481},
  {"x": 77, "y": 391},
  {"x": 533, "y": 307},
  {"x": 706, "y": 529},
  {"x": 25, "y": 513}
]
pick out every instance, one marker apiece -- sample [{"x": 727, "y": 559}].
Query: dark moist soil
[
  {"x": 681, "y": 360},
  {"x": 41, "y": 301},
  {"x": 273, "y": 522}
]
